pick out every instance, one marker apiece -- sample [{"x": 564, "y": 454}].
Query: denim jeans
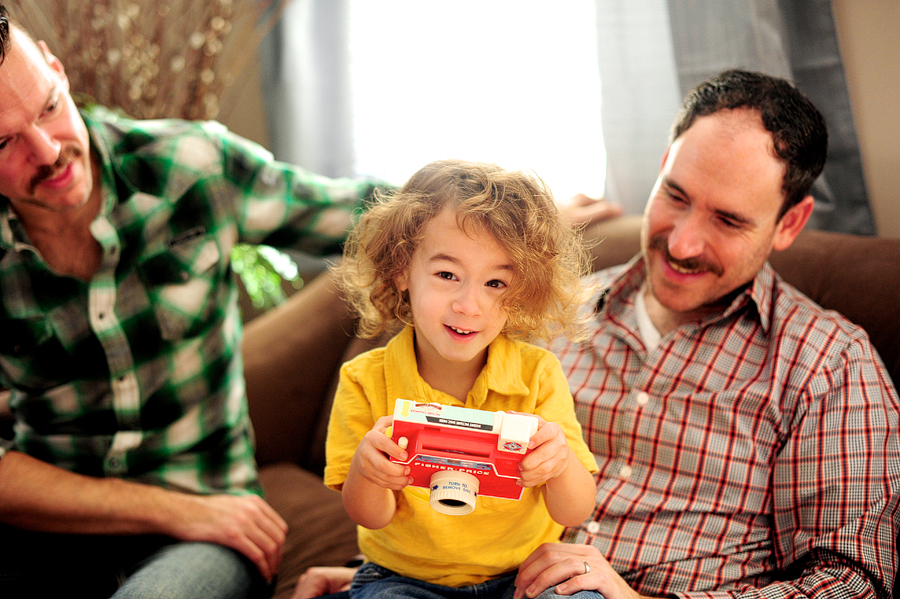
[
  {"x": 193, "y": 570},
  {"x": 37, "y": 565},
  {"x": 374, "y": 582}
]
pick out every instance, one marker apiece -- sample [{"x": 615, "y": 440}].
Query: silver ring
[{"x": 587, "y": 567}]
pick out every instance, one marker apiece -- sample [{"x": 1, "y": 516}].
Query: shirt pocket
[
  {"x": 22, "y": 336},
  {"x": 184, "y": 285}
]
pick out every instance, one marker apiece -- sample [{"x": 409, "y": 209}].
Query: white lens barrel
[{"x": 453, "y": 493}]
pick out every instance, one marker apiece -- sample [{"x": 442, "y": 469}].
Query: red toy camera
[{"x": 460, "y": 453}]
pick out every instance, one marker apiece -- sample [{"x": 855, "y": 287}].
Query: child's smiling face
[{"x": 455, "y": 281}]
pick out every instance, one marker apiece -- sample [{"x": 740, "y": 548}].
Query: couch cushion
[{"x": 321, "y": 533}]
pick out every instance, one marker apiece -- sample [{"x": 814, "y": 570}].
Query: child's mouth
[{"x": 460, "y": 331}]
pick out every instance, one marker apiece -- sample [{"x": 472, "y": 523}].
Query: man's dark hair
[
  {"x": 796, "y": 125},
  {"x": 4, "y": 33}
]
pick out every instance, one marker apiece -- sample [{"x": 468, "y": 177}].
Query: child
[{"x": 472, "y": 259}]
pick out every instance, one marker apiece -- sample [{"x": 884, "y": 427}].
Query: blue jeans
[
  {"x": 192, "y": 570},
  {"x": 374, "y": 582},
  {"x": 38, "y": 565}
]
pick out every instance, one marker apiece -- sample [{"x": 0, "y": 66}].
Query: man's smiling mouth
[{"x": 677, "y": 267}]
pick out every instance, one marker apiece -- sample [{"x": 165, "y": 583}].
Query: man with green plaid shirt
[{"x": 120, "y": 339}]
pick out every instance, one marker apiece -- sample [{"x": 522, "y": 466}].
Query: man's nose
[
  {"x": 44, "y": 147},
  {"x": 687, "y": 238}
]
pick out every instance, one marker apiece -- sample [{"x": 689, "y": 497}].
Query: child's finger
[
  {"x": 547, "y": 431},
  {"x": 383, "y": 423}
]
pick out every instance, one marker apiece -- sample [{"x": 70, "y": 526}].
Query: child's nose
[{"x": 468, "y": 301}]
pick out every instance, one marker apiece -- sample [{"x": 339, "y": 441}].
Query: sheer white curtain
[
  {"x": 651, "y": 52},
  {"x": 382, "y": 88}
]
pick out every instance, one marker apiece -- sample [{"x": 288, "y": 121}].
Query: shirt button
[
  {"x": 625, "y": 472},
  {"x": 593, "y": 527},
  {"x": 643, "y": 398}
]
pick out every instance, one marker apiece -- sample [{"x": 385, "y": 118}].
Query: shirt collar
[
  {"x": 111, "y": 177},
  {"x": 502, "y": 373}
]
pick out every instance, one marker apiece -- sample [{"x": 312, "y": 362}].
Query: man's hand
[
  {"x": 571, "y": 568},
  {"x": 319, "y": 581},
  {"x": 245, "y": 523},
  {"x": 584, "y": 210}
]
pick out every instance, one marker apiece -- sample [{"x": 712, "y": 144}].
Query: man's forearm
[
  {"x": 41, "y": 497},
  {"x": 37, "y": 496}
]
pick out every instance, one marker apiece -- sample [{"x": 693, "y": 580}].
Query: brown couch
[{"x": 291, "y": 361}]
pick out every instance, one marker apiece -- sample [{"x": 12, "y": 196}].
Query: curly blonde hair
[{"x": 517, "y": 209}]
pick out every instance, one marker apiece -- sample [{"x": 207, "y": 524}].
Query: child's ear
[{"x": 402, "y": 281}]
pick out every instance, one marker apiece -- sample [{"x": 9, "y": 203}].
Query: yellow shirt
[{"x": 420, "y": 542}]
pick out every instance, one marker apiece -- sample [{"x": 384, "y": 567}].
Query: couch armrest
[{"x": 291, "y": 356}]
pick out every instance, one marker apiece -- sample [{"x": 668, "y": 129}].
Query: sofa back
[{"x": 855, "y": 275}]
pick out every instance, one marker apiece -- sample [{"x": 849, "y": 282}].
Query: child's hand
[
  {"x": 549, "y": 455},
  {"x": 371, "y": 459}
]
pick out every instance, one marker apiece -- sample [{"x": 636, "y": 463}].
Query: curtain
[
  {"x": 652, "y": 52},
  {"x": 305, "y": 81}
]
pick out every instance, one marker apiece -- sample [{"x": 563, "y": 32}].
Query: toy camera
[{"x": 460, "y": 453}]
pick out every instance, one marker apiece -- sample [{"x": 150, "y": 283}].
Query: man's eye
[
  {"x": 730, "y": 223},
  {"x": 4, "y": 143},
  {"x": 51, "y": 108}
]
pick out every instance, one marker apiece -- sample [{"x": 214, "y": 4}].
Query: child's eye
[
  {"x": 496, "y": 283},
  {"x": 446, "y": 275}
]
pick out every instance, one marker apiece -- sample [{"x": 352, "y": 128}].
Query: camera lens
[{"x": 453, "y": 492}]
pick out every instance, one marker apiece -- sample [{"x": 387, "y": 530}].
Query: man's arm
[{"x": 37, "y": 496}]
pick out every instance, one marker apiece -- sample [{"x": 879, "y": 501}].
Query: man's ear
[
  {"x": 665, "y": 156},
  {"x": 53, "y": 61},
  {"x": 792, "y": 223}
]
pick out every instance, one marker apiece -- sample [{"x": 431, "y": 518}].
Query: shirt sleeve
[
  {"x": 286, "y": 206},
  {"x": 352, "y": 416},
  {"x": 835, "y": 484},
  {"x": 555, "y": 404}
]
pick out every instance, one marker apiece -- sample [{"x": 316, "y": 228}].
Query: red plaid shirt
[{"x": 755, "y": 454}]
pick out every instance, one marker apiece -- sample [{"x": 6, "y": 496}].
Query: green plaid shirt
[{"x": 138, "y": 373}]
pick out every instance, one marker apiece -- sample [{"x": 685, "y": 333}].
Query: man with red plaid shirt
[{"x": 748, "y": 440}]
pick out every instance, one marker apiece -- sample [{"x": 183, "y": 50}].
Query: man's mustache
[
  {"x": 661, "y": 244},
  {"x": 68, "y": 155}
]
